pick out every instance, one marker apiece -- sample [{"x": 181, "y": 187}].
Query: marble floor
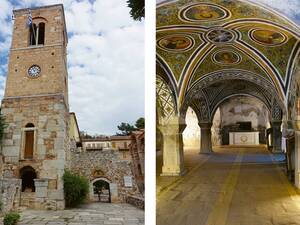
[
  {"x": 90, "y": 214},
  {"x": 232, "y": 186}
]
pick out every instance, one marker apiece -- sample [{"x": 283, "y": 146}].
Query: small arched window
[
  {"x": 29, "y": 142},
  {"x": 37, "y": 34}
]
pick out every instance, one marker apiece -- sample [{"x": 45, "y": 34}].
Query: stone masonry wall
[
  {"x": 107, "y": 164},
  {"x": 9, "y": 194},
  {"x": 49, "y": 116}
]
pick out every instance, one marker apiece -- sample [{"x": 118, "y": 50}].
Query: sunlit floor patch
[{"x": 233, "y": 186}]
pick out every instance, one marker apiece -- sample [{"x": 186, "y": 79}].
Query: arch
[
  {"x": 237, "y": 95},
  {"x": 37, "y": 31},
  {"x": 100, "y": 190},
  {"x": 29, "y": 125},
  {"x": 28, "y": 174},
  {"x": 213, "y": 87}
]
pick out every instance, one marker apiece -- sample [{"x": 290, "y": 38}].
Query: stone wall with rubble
[
  {"x": 10, "y": 190},
  {"x": 108, "y": 165},
  {"x": 50, "y": 118}
]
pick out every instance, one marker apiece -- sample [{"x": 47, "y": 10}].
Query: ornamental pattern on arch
[{"x": 165, "y": 99}]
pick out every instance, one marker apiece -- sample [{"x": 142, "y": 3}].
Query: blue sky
[{"x": 105, "y": 60}]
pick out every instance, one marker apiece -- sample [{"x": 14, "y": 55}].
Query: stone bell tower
[{"x": 35, "y": 106}]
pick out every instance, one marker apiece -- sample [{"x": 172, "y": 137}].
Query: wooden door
[{"x": 29, "y": 142}]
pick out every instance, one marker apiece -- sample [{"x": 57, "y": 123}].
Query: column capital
[
  {"x": 276, "y": 122},
  {"x": 205, "y": 125}
]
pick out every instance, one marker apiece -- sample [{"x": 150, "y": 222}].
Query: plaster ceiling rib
[
  {"x": 292, "y": 63},
  {"x": 167, "y": 74},
  {"x": 237, "y": 23},
  {"x": 193, "y": 28},
  {"x": 265, "y": 64},
  {"x": 191, "y": 67}
]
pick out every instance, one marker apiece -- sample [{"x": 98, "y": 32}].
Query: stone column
[
  {"x": 173, "y": 162},
  {"x": 205, "y": 138},
  {"x": 296, "y": 126},
  {"x": 276, "y": 136}
]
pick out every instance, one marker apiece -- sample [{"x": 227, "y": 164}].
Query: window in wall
[
  {"x": 33, "y": 33},
  {"x": 37, "y": 34},
  {"x": 29, "y": 142},
  {"x": 41, "y": 35}
]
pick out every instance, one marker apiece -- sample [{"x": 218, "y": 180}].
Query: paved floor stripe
[{"x": 219, "y": 214}]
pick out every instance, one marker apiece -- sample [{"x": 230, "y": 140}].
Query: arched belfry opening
[
  {"x": 37, "y": 33},
  {"x": 28, "y": 174}
]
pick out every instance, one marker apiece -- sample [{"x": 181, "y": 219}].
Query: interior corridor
[{"x": 232, "y": 186}]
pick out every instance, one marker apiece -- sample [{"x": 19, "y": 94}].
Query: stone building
[
  {"x": 42, "y": 138},
  {"x": 137, "y": 151},
  {"x": 108, "y": 168},
  {"x": 35, "y": 106}
]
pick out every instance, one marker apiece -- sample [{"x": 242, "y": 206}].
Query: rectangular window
[{"x": 29, "y": 144}]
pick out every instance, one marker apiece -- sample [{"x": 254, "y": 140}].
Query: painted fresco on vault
[
  {"x": 268, "y": 37},
  {"x": 226, "y": 57},
  {"x": 175, "y": 43},
  {"x": 203, "y": 12}
]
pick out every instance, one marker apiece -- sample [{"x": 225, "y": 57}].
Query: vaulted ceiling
[{"x": 200, "y": 38}]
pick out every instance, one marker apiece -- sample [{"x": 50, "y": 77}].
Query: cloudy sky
[{"x": 105, "y": 60}]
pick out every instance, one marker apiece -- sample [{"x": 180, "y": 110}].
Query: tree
[
  {"x": 126, "y": 129},
  {"x": 137, "y": 7},
  {"x": 76, "y": 189},
  {"x": 140, "y": 123}
]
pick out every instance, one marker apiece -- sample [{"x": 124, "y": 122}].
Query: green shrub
[
  {"x": 11, "y": 218},
  {"x": 76, "y": 189}
]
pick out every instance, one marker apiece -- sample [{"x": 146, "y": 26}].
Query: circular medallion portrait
[
  {"x": 226, "y": 57},
  {"x": 203, "y": 12},
  {"x": 176, "y": 43},
  {"x": 268, "y": 37}
]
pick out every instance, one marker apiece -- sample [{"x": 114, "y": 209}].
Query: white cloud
[{"x": 105, "y": 61}]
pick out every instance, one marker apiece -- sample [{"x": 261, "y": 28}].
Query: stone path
[
  {"x": 90, "y": 214},
  {"x": 233, "y": 186}
]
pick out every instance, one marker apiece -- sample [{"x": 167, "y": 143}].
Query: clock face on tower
[{"x": 34, "y": 71}]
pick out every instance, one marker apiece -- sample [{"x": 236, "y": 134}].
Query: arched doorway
[
  {"x": 28, "y": 174},
  {"x": 101, "y": 190},
  {"x": 191, "y": 134}
]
